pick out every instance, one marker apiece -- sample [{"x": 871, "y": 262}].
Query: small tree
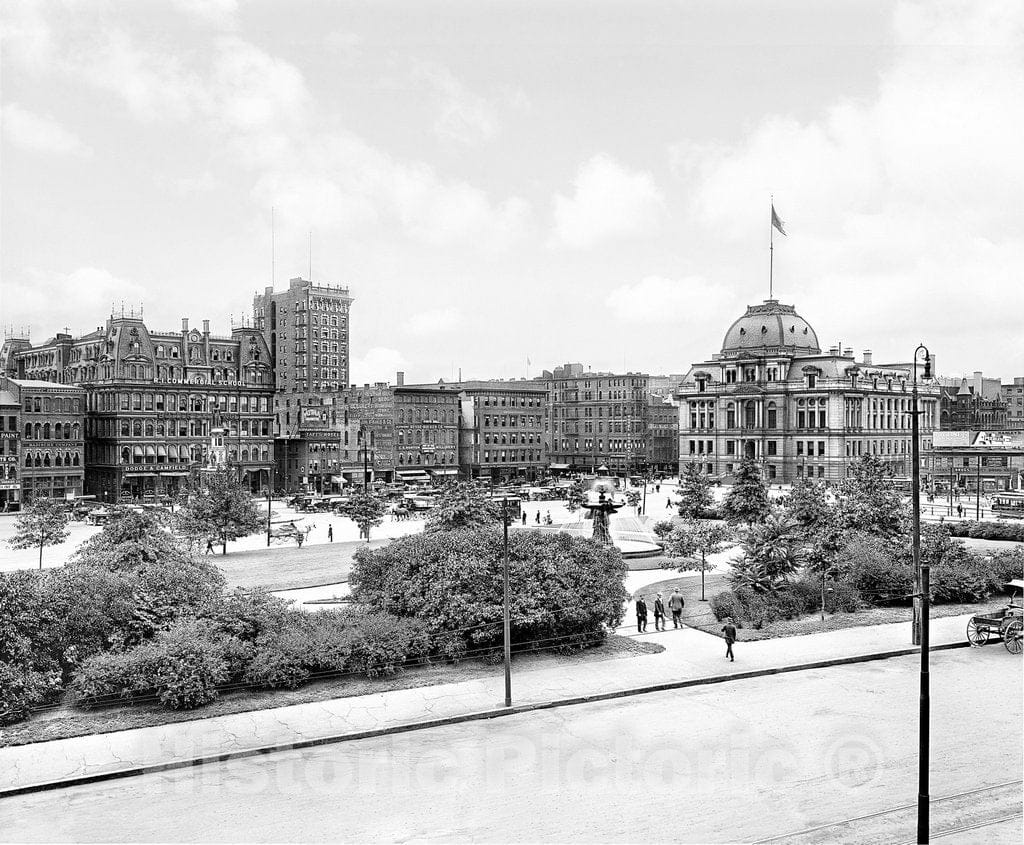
[
  {"x": 808, "y": 505},
  {"x": 221, "y": 508},
  {"x": 366, "y": 510},
  {"x": 694, "y": 492},
  {"x": 43, "y": 523},
  {"x": 748, "y": 499},
  {"x": 464, "y": 505},
  {"x": 868, "y": 499},
  {"x": 772, "y": 554},
  {"x": 697, "y": 537}
]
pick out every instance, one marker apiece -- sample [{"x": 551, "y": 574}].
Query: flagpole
[{"x": 771, "y": 247}]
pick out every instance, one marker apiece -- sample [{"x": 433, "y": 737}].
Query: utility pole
[
  {"x": 977, "y": 492},
  {"x": 268, "y": 510},
  {"x": 507, "y": 625}
]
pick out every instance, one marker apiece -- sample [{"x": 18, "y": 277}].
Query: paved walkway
[{"x": 689, "y": 656}]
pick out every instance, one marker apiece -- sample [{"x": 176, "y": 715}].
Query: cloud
[
  {"x": 655, "y": 299},
  {"x": 380, "y": 363},
  {"x": 463, "y": 116},
  {"x": 434, "y": 322},
  {"x": 186, "y": 186},
  {"x": 609, "y": 202},
  {"x": 901, "y": 207},
  {"x": 64, "y": 297},
  {"x": 38, "y": 133},
  {"x": 221, "y": 13}
]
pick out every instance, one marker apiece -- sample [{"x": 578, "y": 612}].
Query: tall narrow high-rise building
[{"x": 306, "y": 328}]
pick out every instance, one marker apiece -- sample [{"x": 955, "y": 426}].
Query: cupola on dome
[{"x": 770, "y": 325}]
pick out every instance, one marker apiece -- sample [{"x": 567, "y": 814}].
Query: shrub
[
  {"x": 785, "y": 604},
  {"x": 872, "y": 569},
  {"x": 988, "y": 530},
  {"x": 23, "y": 687},
  {"x": 726, "y": 604},
  {"x": 842, "y": 597},
  {"x": 185, "y": 665},
  {"x": 961, "y": 577},
  {"x": 807, "y": 591},
  {"x": 1005, "y": 566},
  {"x": 282, "y": 657},
  {"x": 757, "y": 609},
  {"x": 380, "y": 644},
  {"x": 452, "y": 582},
  {"x": 246, "y": 614},
  {"x": 111, "y": 674}
]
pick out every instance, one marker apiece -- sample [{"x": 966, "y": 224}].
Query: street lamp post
[
  {"x": 977, "y": 492},
  {"x": 506, "y": 616},
  {"x": 921, "y": 602}
]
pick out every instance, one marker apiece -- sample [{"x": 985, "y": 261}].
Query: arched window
[
  {"x": 57, "y": 460},
  {"x": 46, "y": 459},
  {"x": 39, "y": 459},
  {"x": 28, "y": 459},
  {"x": 137, "y": 455},
  {"x": 172, "y": 454},
  {"x": 28, "y": 431},
  {"x": 150, "y": 454},
  {"x": 67, "y": 431},
  {"x": 46, "y": 431},
  {"x": 245, "y": 455},
  {"x": 161, "y": 454},
  {"x": 126, "y": 455},
  {"x": 137, "y": 428},
  {"x": 149, "y": 429}
]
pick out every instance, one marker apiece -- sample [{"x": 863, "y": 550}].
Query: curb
[{"x": 480, "y": 715}]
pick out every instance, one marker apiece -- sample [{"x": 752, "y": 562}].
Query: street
[{"x": 739, "y": 761}]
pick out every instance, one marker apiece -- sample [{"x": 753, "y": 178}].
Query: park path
[{"x": 689, "y": 655}]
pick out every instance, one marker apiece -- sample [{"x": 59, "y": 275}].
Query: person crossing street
[{"x": 676, "y": 603}]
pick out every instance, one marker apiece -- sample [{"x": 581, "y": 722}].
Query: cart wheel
[
  {"x": 1012, "y": 637},
  {"x": 975, "y": 635}
]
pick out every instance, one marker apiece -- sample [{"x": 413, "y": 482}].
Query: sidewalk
[{"x": 690, "y": 657}]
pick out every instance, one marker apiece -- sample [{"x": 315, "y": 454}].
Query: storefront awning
[
  {"x": 412, "y": 475},
  {"x": 558, "y": 466},
  {"x": 444, "y": 472}
]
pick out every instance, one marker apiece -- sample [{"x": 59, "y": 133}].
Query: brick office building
[
  {"x": 1013, "y": 395},
  {"x": 426, "y": 446},
  {"x": 306, "y": 328},
  {"x": 597, "y": 419},
  {"x": 42, "y": 456},
  {"x": 662, "y": 434},
  {"x": 153, "y": 400}
]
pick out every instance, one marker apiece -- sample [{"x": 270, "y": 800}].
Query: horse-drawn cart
[{"x": 1007, "y": 623}]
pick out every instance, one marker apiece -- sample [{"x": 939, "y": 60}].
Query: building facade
[
  {"x": 662, "y": 434},
  {"x": 772, "y": 395},
  {"x": 42, "y": 451},
  {"x": 964, "y": 461},
  {"x": 426, "y": 445},
  {"x": 597, "y": 419},
  {"x": 306, "y": 328},
  {"x": 1013, "y": 395},
  {"x": 501, "y": 431},
  {"x": 969, "y": 407},
  {"x": 153, "y": 400}
]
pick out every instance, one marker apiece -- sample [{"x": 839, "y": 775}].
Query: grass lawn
[
  {"x": 290, "y": 568},
  {"x": 697, "y": 614},
  {"x": 64, "y": 721}
]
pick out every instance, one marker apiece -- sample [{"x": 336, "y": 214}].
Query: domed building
[{"x": 773, "y": 395}]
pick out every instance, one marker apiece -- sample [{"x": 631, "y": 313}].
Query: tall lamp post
[
  {"x": 506, "y": 615},
  {"x": 921, "y": 577}
]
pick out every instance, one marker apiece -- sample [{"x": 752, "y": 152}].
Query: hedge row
[
  {"x": 988, "y": 530},
  {"x": 251, "y": 640},
  {"x": 757, "y": 609}
]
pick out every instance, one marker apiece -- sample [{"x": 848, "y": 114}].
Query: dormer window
[{"x": 812, "y": 379}]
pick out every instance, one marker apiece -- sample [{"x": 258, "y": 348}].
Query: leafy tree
[
  {"x": 868, "y": 500},
  {"x": 463, "y": 505},
  {"x": 772, "y": 553},
  {"x": 694, "y": 492},
  {"x": 133, "y": 540},
  {"x": 366, "y": 510},
  {"x": 808, "y": 505},
  {"x": 43, "y": 523},
  {"x": 692, "y": 538},
  {"x": 564, "y": 589},
  {"x": 221, "y": 508},
  {"x": 747, "y": 501},
  {"x": 576, "y": 496}
]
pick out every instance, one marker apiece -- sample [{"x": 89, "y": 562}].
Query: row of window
[
  {"x": 509, "y": 456},
  {"x": 175, "y": 428},
  {"x": 511, "y": 439},
  {"x": 171, "y": 454},
  {"x": 52, "y": 404},
  {"x": 193, "y": 402},
  {"x": 437, "y": 436},
  {"x": 418, "y": 458},
  {"x": 42, "y": 459},
  {"x": 65, "y": 431},
  {"x": 496, "y": 402}
]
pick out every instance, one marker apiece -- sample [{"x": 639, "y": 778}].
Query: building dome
[{"x": 770, "y": 326}]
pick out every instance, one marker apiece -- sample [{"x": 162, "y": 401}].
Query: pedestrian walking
[
  {"x": 537, "y": 520},
  {"x": 659, "y": 613},
  {"x": 960, "y": 511},
  {"x": 676, "y": 603},
  {"x": 668, "y": 502},
  {"x": 209, "y": 547},
  {"x": 524, "y": 517},
  {"x": 730, "y": 637},
  {"x": 547, "y": 518},
  {"x": 330, "y": 533},
  {"x": 641, "y": 615},
  {"x": 657, "y": 488}
]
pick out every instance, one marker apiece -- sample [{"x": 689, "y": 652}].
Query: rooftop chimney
[
  {"x": 400, "y": 378},
  {"x": 206, "y": 326},
  {"x": 833, "y": 350},
  {"x": 184, "y": 324},
  {"x": 848, "y": 352},
  {"x": 867, "y": 357}
]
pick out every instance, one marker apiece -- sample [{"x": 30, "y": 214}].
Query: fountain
[{"x": 631, "y": 535}]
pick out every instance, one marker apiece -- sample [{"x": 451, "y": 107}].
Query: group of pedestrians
[{"x": 676, "y": 603}]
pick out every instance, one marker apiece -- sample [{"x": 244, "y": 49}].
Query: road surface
[{"x": 740, "y": 761}]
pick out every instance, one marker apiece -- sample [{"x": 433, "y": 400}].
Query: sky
[{"x": 504, "y": 182}]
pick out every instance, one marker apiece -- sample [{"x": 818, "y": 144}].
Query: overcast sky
[{"x": 564, "y": 181}]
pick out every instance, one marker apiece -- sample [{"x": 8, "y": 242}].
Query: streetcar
[{"x": 1010, "y": 503}]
